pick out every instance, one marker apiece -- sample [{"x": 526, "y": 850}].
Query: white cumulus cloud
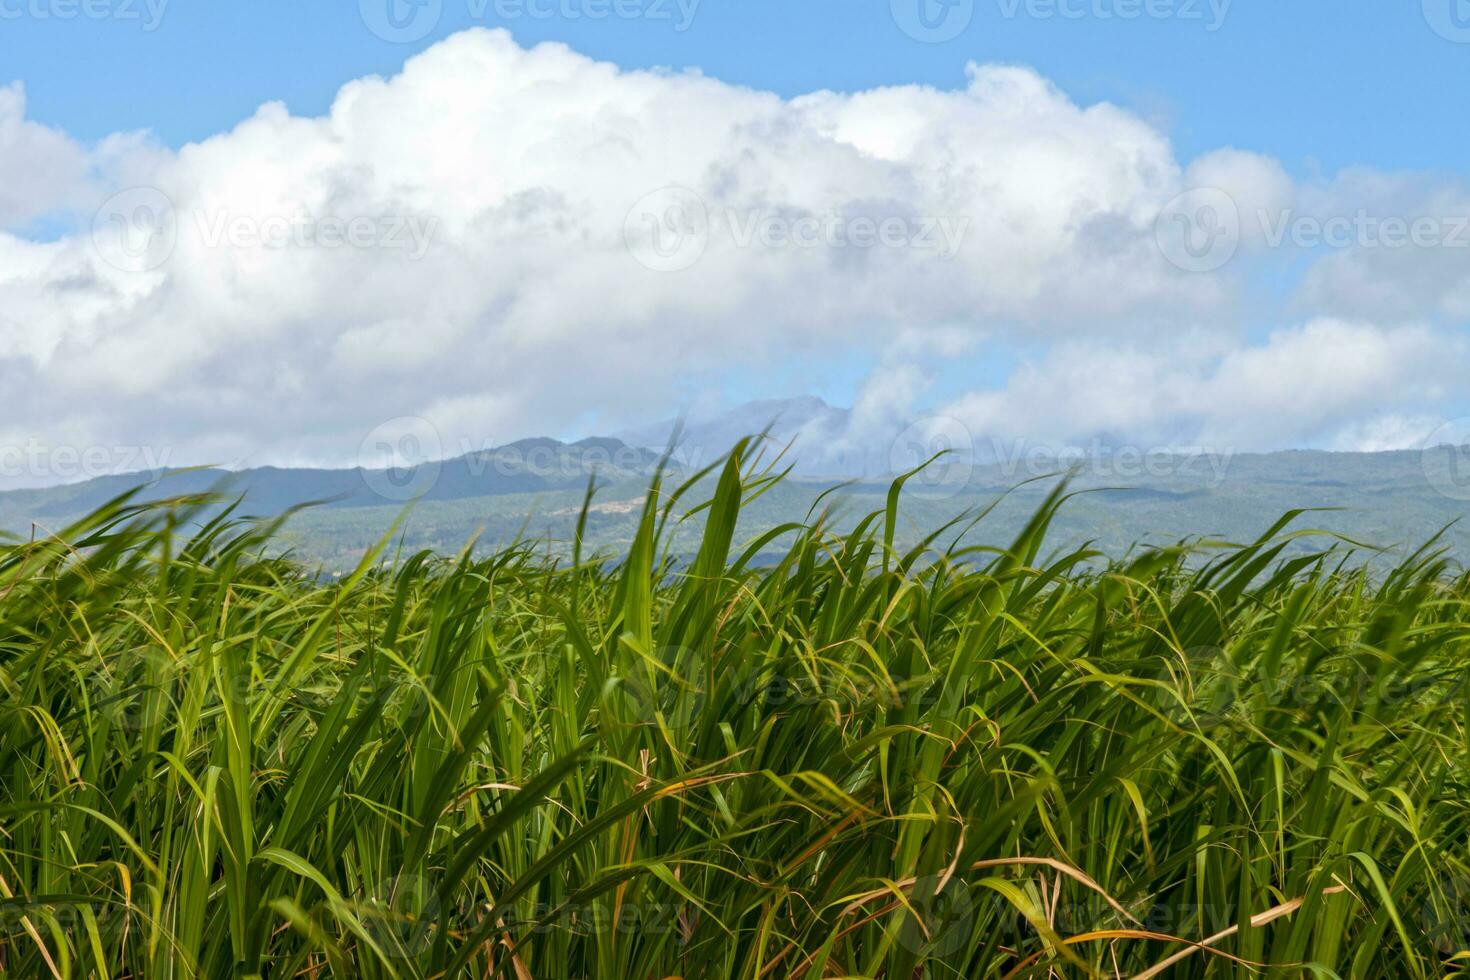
[
  {"x": 511, "y": 241},
  {"x": 1336, "y": 383}
]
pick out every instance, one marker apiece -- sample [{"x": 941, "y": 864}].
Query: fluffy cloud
[
  {"x": 1342, "y": 384},
  {"x": 40, "y": 168},
  {"x": 1410, "y": 251},
  {"x": 1257, "y": 185},
  {"x": 1392, "y": 247},
  {"x": 511, "y": 241},
  {"x": 500, "y": 294}
]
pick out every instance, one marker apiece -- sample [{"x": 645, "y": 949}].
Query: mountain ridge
[{"x": 536, "y": 486}]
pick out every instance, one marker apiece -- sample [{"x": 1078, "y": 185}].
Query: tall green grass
[{"x": 950, "y": 761}]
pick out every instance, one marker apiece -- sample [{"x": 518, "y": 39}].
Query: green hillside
[{"x": 1381, "y": 500}]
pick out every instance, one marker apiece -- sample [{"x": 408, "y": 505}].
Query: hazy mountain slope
[
  {"x": 703, "y": 438},
  {"x": 1382, "y": 500},
  {"x": 527, "y": 467},
  {"x": 533, "y": 489}
]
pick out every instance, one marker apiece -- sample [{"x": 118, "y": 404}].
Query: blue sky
[
  {"x": 1317, "y": 83},
  {"x": 1070, "y": 143}
]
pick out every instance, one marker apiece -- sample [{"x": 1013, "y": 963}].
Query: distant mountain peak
[
  {"x": 704, "y": 437},
  {"x": 800, "y": 403}
]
